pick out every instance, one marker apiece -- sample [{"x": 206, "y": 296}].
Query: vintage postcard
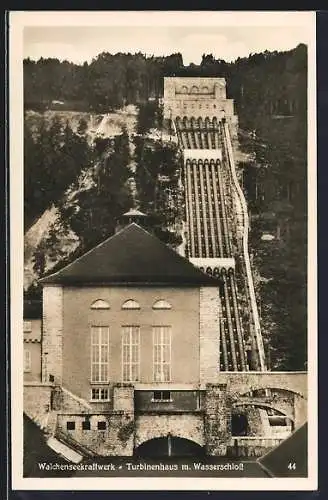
[{"x": 163, "y": 250}]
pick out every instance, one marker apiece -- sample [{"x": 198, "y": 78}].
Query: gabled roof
[{"x": 131, "y": 256}]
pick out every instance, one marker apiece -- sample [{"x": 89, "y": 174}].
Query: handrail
[
  {"x": 257, "y": 327},
  {"x": 174, "y": 127}
]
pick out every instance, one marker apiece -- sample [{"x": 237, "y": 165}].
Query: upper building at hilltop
[{"x": 198, "y": 97}]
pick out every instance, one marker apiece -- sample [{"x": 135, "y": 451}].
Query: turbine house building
[
  {"x": 131, "y": 358},
  {"x": 130, "y": 341}
]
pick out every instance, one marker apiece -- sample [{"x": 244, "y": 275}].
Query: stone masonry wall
[
  {"x": 251, "y": 447},
  {"x": 116, "y": 439},
  {"x": 187, "y": 426},
  {"x": 257, "y": 420},
  {"x": 65, "y": 401},
  {"x": 52, "y": 345},
  {"x": 123, "y": 396},
  {"x": 243, "y": 382},
  {"x": 209, "y": 334},
  {"x": 254, "y": 422},
  {"x": 217, "y": 420},
  {"x": 300, "y": 411},
  {"x": 118, "y": 435},
  {"x": 37, "y": 401}
]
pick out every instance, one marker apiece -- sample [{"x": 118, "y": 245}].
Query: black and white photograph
[{"x": 163, "y": 250}]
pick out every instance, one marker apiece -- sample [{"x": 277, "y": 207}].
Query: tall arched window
[
  {"x": 100, "y": 304},
  {"x": 194, "y": 90},
  {"x": 162, "y": 304},
  {"x": 130, "y": 304}
]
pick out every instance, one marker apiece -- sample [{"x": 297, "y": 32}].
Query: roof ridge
[
  {"x": 135, "y": 256},
  {"x": 176, "y": 254}
]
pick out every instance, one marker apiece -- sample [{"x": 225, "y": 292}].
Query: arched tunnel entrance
[
  {"x": 239, "y": 424},
  {"x": 169, "y": 446}
]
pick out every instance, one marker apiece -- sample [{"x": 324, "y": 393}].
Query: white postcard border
[{"x": 17, "y": 21}]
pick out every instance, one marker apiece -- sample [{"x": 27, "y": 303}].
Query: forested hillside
[
  {"x": 90, "y": 182},
  {"x": 264, "y": 86},
  {"x": 82, "y": 184},
  {"x": 270, "y": 82},
  {"x": 109, "y": 81}
]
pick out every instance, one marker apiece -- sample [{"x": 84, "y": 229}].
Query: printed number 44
[{"x": 292, "y": 466}]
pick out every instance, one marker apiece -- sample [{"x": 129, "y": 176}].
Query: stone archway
[
  {"x": 185, "y": 426},
  {"x": 282, "y": 410},
  {"x": 169, "y": 446},
  {"x": 260, "y": 419},
  {"x": 244, "y": 382},
  {"x": 289, "y": 402}
]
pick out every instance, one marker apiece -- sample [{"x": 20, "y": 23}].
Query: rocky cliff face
[
  {"x": 97, "y": 125},
  {"x": 105, "y": 125}
]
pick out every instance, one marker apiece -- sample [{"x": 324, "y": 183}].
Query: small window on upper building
[
  {"x": 27, "y": 326},
  {"x": 100, "y": 304},
  {"x": 131, "y": 304},
  {"x": 162, "y": 304}
]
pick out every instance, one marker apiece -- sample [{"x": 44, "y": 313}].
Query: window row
[
  {"x": 86, "y": 425},
  {"x": 101, "y": 394},
  {"x": 130, "y": 341},
  {"x": 194, "y": 90},
  {"x": 130, "y": 304},
  {"x": 193, "y": 106}
]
